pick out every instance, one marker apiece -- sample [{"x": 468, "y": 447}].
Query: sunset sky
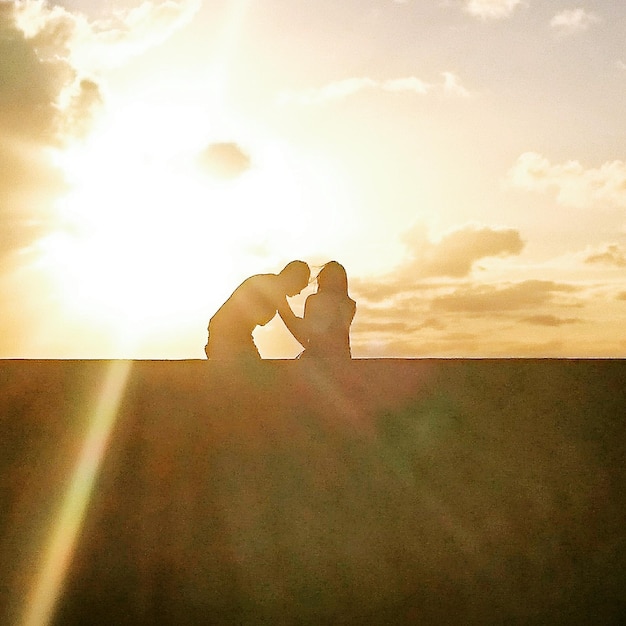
[{"x": 465, "y": 160}]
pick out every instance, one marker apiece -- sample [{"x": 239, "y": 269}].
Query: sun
[{"x": 148, "y": 237}]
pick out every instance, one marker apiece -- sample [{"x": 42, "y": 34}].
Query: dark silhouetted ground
[{"x": 376, "y": 492}]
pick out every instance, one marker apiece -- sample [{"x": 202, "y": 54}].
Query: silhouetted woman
[{"x": 324, "y": 331}]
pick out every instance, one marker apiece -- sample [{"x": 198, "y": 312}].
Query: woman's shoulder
[
  {"x": 349, "y": 306},
  {"x": 332, "y": 298},
  {"x": 347, "y": 302}
]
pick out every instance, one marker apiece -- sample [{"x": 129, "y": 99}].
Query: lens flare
[{"x": 66, "y": 528}]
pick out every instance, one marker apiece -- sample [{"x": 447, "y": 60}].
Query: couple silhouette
[{"x": 323, "y": 331}]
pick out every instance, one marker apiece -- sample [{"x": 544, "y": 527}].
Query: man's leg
[{"x": 230, "y": 348}]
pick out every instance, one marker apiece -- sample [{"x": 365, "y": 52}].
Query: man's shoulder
[
  {"x": 257, "y": 280},
  {"x": 267, "y": 285}
]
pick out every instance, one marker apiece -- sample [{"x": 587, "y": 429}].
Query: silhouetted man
[{"x": 254, "y": 303}]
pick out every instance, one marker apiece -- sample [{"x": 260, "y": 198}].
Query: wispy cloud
[
  {"x": 130, "y": 33},
  {"x": 108, "y": 41},
  {"x": 338, "y": 90},
  {"x": 525, "y": 295},
  {"x": 571, "y": 21},
  {"x": 492, "y": 9},
  {"x": 453, "y": 86},
  {"x": 550, "y": 320},
  {"x": 612, "y": 255},
  {"x": 410, "y": 84},
  {"x": 575, "y": 186}
]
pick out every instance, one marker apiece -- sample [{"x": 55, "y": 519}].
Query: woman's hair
[{"x": 332, "y": 277}]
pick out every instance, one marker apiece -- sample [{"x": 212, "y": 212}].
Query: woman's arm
[{"x": 294, "y": 324}]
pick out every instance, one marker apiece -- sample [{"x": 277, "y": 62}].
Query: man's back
[{"x": 252, "y": 304}]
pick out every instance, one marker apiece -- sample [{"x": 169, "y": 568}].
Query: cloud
[
  {"x": 31, "y": 120},
  {"x": 453, "y": 256},
  {"x": 575, "y": 186},
  {"x": 409, "y": 84},
  {"x": 571, "y": 21},
  {"x": 528, "y": 294},
  {"x": 401, "y": 315},
  {"x": 492, "y": 9},
  {"x": 127, "y": 34},
  {"x": 81, "y": 100},
  {"x": 29, "y": 84},
  {"x": 457, "y": 319},
  {"x": 106, "y": 42},
  {"x": 612, "y": 254},
  {"x": 452, "y": 86},
  {"x": 549, "y": 320},
  {"x": 338, "y": 90},
  {"x": 224, "y": 160},
  {"x": 49, "y": 91},
  {"x": 457, "y": 251}
]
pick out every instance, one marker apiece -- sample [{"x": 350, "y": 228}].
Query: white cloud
[
  {"x": 338, "y": 90},
  {"x": 572, "y": 21},
  {"x": 405, "y": 84},
  {"x": 150, "y": 24},
  {"x": 110, "y": 42},
  {"x": 492, "y": 9},
  {"x": 106, "y": 42},
  {"x": 453, "y": 86},
  {"x": 575, "y": 186}
]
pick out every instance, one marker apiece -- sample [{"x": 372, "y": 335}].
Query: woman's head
[{"x": 333, "y": 277}]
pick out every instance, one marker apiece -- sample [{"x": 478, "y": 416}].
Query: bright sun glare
[{"x": 146, "y": 235}]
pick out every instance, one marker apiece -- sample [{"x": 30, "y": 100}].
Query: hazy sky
[{"x": 464, "y": 159}]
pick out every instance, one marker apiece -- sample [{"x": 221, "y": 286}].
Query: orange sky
[{"x": 464, "y": 160}]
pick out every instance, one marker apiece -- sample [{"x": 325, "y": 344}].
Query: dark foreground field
[{"x": 378, "y": 492}]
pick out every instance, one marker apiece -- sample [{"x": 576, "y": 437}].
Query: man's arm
[{"x": 294, "y": 324}]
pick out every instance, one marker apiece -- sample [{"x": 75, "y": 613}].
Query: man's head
[{"x": 295, "y": 277}]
